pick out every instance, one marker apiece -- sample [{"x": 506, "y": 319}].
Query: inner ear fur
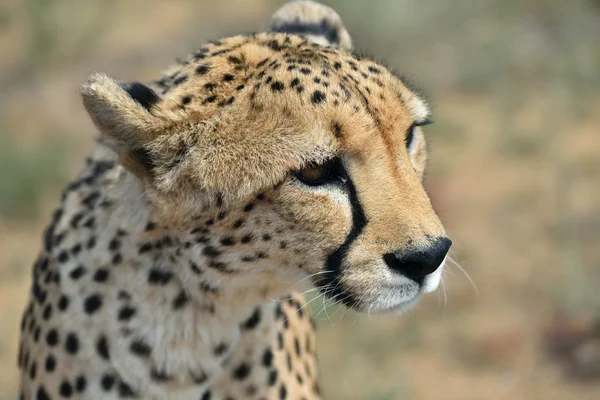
[{"x": 122, "y": 113}]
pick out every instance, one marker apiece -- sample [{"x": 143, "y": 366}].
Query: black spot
[
  {"x": 267, "y": 358},
  {"x": 47, "y": 313},
  {"x": 242, "y": 371},
  {"x": 272, "y": 379},
  {"x": 300, "y": 89},
  {"x": 228, "y": 77},
  {"x": 218, "y": 265},
  {"x": 220, "y": 349},
  {"x": 102, "y": 347},
  {"x": 295, "y": 82},
  {"x": 114, "y": 244},
  {"x": 206, "y": 395},
  {"x": 50, "y": 364},
  {"x": 180, "y": 80},
  {"x": 33, "y": 371},
  {"x": 277, "y": 86},
  {"x": 126, "y": 313},
  {"x": 210, "y": 99},
  {"x": 248, "y": 207},
  {"x": 261, "y": 63},
  {"x": 123, "y": 295},
  {"x": 211, "y": 252},
  {"x": 66, "y": 390},
  {"x": 140, "y": 348},
  {"x": 210, "y": 86},
  {"x": 239, "y": 87},
  {"x": 194, "y": 267},
  {"x": 125, "y": 390},
  {"x": 253, "y": 321},
  {"x": 266, "y": 237},
  {"x": 237, "y": 224},
  {"x": 374, "y": 69},
  {"x": 181, "y": 300},
  {"x": 159, "y": 376},
  {"x": 76, "y": 219},
  {"x": 305, "y": 70},
  {"x": 159, "y": 277},
  {"x": 52, "y": 337},
  {"x": 337, "y": 130},
  {"x": 282, "y": 392},
  {"x": 36, "y": 334},
  {"x": 234, "y": 60},
  {"x": 92, "y": 303},
  {"x": 227, "y": 241},
  {"x": 101, "y": 275},
  {"x": 80, "y": 383},
  {"x": 91, "y": 243},
  {"x": 297, "y": 346},
  {"x": 76, "y": 249},
  {"x": 202, "y": 69},
  {"x": 142, "y": 94},
  {"x": 107, "y": 382},
  {"x": 41, "y": 394},
  {"x": 72, "y": 343},
  {"x": 145, "y": 248},
  {"x": 246, "y": 238},
  {"x": 199, "y": 377},
  {"x": 63, "y": 256},
  {"x": 317, "y": 97},
  {"x": 273, "y": 44}
]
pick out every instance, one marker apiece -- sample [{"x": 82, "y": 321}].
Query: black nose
[{"x": 417, "y": 263}]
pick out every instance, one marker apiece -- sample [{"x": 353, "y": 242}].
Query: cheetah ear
[
  {"x": 318, "y": 23},
  {"x": 122, "y": 114}
]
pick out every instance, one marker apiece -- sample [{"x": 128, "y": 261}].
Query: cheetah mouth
[{"x": 395, "y": 295}]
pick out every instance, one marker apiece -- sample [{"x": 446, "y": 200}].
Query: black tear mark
[{"x": 334, "y": 261}]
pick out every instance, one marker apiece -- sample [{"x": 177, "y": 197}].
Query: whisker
[
  {"x": 465, "y": 273},
  {"x": 308, "y": 277},
  {"x": 445, "y": 296}
]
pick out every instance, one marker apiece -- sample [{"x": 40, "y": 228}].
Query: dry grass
[{"x": 514, "y": 171}]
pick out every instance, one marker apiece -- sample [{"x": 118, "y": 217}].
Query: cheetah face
[{"x": 306, "y": 160}]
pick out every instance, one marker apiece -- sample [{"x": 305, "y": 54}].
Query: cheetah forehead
[
  {"x": 237, "y": 115},
  {"x": 222, "y": 72}
]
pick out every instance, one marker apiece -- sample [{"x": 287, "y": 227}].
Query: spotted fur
[{"x": 159, "y": 269}]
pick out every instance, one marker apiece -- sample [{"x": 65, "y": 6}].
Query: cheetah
[{"x": 258, "y": 166}]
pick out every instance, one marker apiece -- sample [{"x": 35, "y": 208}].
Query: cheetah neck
[{"x": 194, "y": 304}]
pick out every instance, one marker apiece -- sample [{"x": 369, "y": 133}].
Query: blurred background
[{"x": 514, "y": 173}]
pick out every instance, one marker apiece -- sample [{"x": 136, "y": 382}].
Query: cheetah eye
[
  {"x": 410, "y": 135},
  {"x": 319, "y": 174}
]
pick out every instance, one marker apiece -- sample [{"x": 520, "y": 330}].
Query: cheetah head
[{"x": 296, "y": 160}]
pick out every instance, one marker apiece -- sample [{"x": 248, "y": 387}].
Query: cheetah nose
[{"x": 418, "y": 263}]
